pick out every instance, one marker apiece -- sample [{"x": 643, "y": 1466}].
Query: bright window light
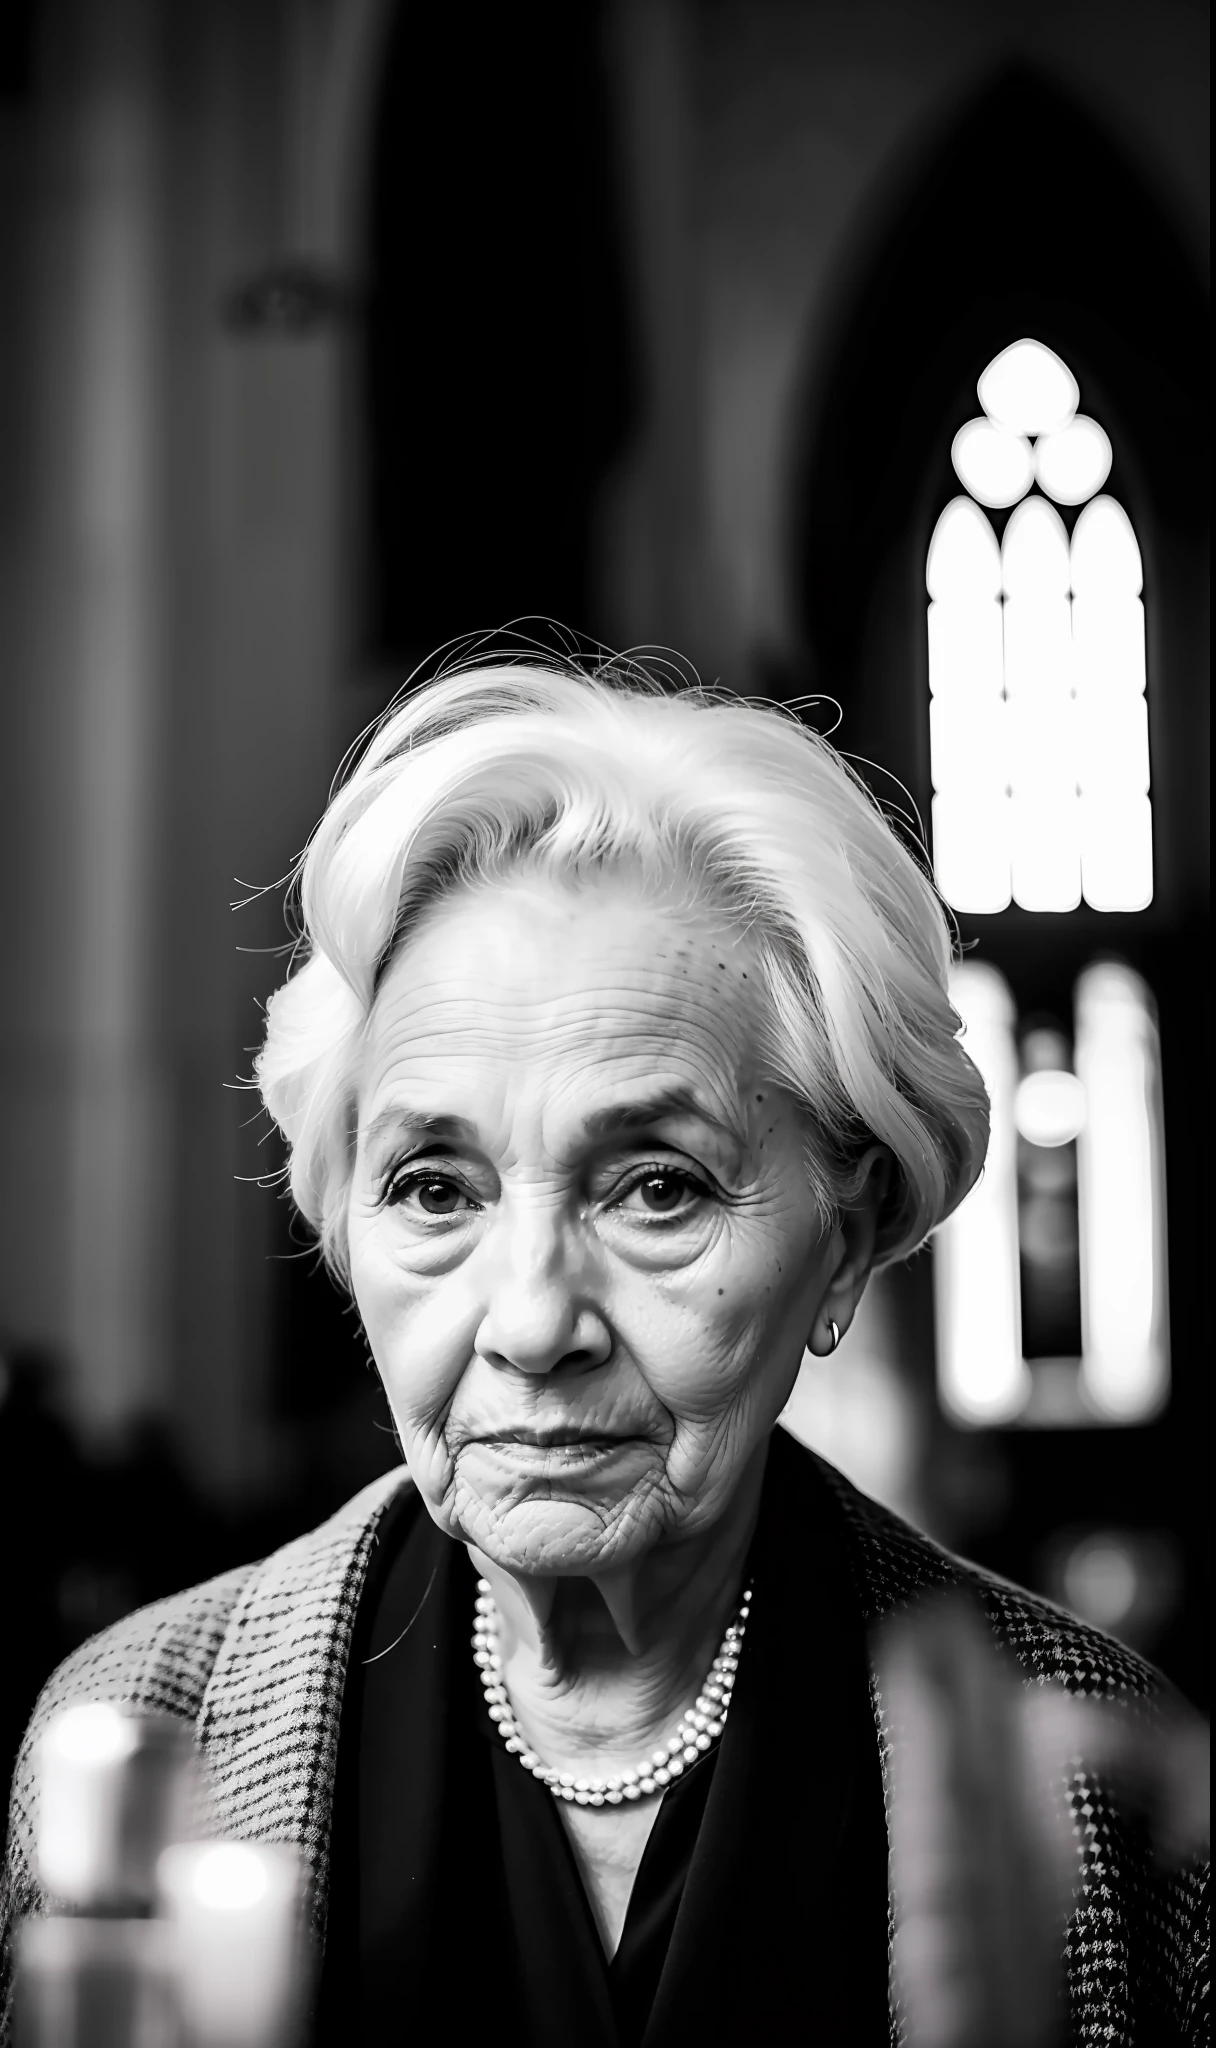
[
  {"x": 1108, "y": 645},
  {"x": 1028, "y": 390},
  {"x": 971, "y": 840},
  {"x": 1038, "y": 650},
  {"x": 1112, "y": 746},
  {"x": 982, "y": 1377},
  {"x": 1121, "y": 1179},
  {"x": 1110, "y": 1107},
  {"x": 1038, "y": 728},
  {"x": 1117, "y": 851},
  {"x": 966, "y": 649},
  {"x": 1034, "y": 554},
  {"x": 1040, "y": 738},
  {"x": 1046, "y": 854},
  {"x": 1073, "y": 464},
  {"x": 970, "y": 748},
  {"x": 964, "y": 561},
  {"x": 1105, "y": 553},
  {"x": 997, "y": 468}
]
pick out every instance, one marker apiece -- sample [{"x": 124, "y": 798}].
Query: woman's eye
[
  {"x": 658, "y": 1192},
  {"x": 664, "y": 1193},
  {"x": 428, "y": 1195}
]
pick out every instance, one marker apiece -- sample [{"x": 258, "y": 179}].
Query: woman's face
[{"x": 582, "y": 1239}]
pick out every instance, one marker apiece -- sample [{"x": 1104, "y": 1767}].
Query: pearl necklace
[{"x": 697, "y": 1732}]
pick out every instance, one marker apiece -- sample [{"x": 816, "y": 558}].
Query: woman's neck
[{"x": 605, "y": 1662}]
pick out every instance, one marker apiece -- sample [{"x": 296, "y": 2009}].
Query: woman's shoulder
[
  {"x": 157, "y": 1658},
  {"x": 1137, "y": 1941},
  {"x": 161, "y": 1657},
  {"x": 190, "y": 1654},
  {"x": 896, "y": 1565}
]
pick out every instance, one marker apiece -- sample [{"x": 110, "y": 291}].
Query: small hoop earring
[{"x": 834, "y": 1327}]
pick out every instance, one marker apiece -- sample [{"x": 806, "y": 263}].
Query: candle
[
  {"x": 86, "y": 1983},
  {"x": 237, "y": 1913},
  {"x": 114, "y": 1787}
]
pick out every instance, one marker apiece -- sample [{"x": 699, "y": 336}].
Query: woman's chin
[{"x": 556, "y": 1514}]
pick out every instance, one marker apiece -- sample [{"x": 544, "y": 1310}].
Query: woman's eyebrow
[
  {"x": 615, "y": 1120},
  {"x": 642, "y": 1113},
  {"x": 401, "y": 1121}
]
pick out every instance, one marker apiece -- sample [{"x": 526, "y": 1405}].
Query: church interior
[{"x": 833, "y": 352}]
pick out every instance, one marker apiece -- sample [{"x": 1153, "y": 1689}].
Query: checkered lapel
[{"x": 267, "y": 1725}]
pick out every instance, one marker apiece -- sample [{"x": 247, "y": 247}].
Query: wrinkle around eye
[
  {"x": 696, "y": 1194},
  {"x": 636, "y": 1232},
  {"x": 401, "y": 1184}
]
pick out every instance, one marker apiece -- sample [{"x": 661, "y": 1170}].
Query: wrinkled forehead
[{"x": 574, "y": 999}]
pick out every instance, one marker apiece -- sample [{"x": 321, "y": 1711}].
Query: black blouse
[{"x": 759, "y": 1910}]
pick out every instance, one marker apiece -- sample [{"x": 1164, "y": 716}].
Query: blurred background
[{"x": 333, "y": 329}]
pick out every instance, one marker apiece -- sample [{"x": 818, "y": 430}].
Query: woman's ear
[{"x": 853, "y": 1243}]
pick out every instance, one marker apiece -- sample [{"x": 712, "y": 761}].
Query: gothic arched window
[{"x": 1038, "y": 722}]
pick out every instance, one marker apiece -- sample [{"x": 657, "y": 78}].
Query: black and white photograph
[{"x": 604, "y": 1040}]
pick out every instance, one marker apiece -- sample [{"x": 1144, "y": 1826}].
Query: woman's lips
[
  {"x": 546, "y": 1449},
  {"x": 552, "y": 1439}
]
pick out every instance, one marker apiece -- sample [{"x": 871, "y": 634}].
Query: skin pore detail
[{"x": 588, "y": 1260}]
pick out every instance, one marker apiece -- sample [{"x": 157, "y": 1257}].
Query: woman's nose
[
  {"x": 538, "y": 1315},
  {"x": 541, "y": 1330}
]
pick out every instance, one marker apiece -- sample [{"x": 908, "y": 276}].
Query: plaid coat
[{"x": 255, "y": 1661}]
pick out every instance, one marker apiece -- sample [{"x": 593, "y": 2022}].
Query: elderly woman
[{"x": 617, "y": 1055}]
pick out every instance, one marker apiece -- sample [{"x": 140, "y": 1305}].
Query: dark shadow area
[
  {"x": 326, "y": 1393},
  {"x": 114, "y": 1533},
  {"x": 87, "y": 1541},
  {"x": 498, "y": 380}
]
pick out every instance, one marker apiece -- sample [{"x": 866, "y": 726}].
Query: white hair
[{"x": 541, "y": 766}]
